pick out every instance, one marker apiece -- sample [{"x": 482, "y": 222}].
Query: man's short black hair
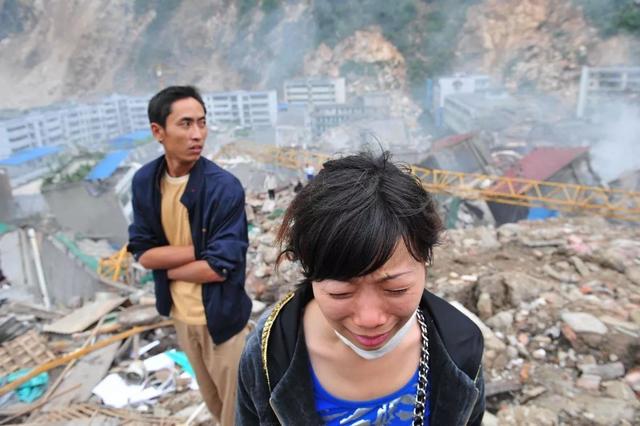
[
  {"x": 347, "y": 222},
  {"x": 160, "y": 105}
]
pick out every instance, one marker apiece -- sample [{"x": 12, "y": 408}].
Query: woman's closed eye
[
  {"x": 396, "y": 291},
  {"x": 340, "y": 295}
]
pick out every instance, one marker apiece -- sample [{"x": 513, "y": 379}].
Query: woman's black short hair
[{"x": 348, "y": 220}]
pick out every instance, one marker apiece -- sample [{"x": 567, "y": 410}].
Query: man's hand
[
  {"x": 167, "y": 257},
  {"x": 195, "y": 272}
]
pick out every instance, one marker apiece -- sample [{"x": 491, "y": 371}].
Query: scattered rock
[
  {"x": 589, "y": 382},
  {"x": 485, "y": 310},
  {"x": 529, "y": 415},
  {"x": 502, "y": 321},
  {"x": 633, "y": 273},
  {"x": 619, "y": 390},
  {"x": 580, "y": 266}
]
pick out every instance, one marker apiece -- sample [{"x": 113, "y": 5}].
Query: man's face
[{"x": 184, "y": 133}]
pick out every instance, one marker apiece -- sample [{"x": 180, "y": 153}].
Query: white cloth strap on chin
[{"x": 386, "y": 348}]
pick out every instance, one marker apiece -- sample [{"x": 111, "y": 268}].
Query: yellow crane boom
[{"x": 567, "y": 197}]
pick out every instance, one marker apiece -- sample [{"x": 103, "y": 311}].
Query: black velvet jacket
[{"x": 275, "y": 386}]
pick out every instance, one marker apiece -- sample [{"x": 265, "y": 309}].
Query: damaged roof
[
  {"x": 544, "y": 162},
  {"x": 109, "y": 164},
  {"x": 541, "y": 164},
  {"x": 27, "y": 155}
]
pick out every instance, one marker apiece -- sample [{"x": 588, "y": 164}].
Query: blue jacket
[
  {"x": 214, "y": 199},
  {"x": 275, "y": 386}
]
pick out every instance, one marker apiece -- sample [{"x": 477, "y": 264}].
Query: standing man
[
  {"x": 309, "y": 172},
  {"x": 270, "y": 184},
  {"x": 189, "y": 228}
]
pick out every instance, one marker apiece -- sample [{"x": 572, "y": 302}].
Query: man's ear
[{"x": 157, "y": 131}]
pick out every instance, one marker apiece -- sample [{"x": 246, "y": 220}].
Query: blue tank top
[{"x": 393, "y": 409}]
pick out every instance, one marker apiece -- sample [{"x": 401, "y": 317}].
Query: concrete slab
[
  {"x": 88, "y": 372},
  {"x": 81, "y": 319}
]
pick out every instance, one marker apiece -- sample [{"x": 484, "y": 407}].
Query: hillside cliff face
[
  {"x": 540, "y": 44},
  {"x": 60, "y": 49}
]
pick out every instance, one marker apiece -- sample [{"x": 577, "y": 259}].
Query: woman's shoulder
[
  {"x": 459, "y": 333},
  {"x": 261, "y": 334}
]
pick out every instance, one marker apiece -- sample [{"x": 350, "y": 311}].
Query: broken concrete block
[
  {"x": 502, "y": 321},
  {"x": 604, "y": 371},
  {"x": 580, "y": 266},
  {"x": 564, "y": 277},
  {"x": 581, "y": 322}
]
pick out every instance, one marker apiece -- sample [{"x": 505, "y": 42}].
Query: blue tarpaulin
[
  {"x": 27, "y": 155},
  {"x": 107, "y": 166},
  {"x": 541, "y": 213},
  {"x": 30, "y": 390},
  {"x": 181, "y": 359}
]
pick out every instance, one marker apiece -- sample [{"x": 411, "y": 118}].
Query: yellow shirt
[{"x": 187, "y": 297}]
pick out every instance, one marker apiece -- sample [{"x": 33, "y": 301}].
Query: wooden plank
[
  {"x": 81, "y": 319},
  {"x": 24, "y": 352},
  {"x": 496, "y": 387}
]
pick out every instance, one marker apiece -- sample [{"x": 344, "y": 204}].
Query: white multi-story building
[
  {"x": 459, "y": 83},
  {"x": 38, "y": 128},
  {"x": 469, "y": 112},
  {"x": 85, "y": 125},
  {"x": 601, "y": 87},
  {"x": 439, "y": 90},
  {"x": 315, "y": 91},
  {"x": 246, "y": 109},
  {"x": 15, "y": 134}
]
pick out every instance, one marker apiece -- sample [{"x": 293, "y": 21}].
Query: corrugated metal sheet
[
  {"x": 27, "y": 155},
  {"x": 107, "y": 166}
]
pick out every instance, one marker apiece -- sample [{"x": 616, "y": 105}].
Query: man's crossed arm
[{"x": 180, "y": 263}]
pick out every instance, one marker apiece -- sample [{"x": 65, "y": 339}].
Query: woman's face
[{"x": 369, "y": 310}]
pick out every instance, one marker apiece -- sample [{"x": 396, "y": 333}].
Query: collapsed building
[
  {"x": 629, "y": 181},
  {"x": 366, "y": 107},
  {"x": 460, "y": 153},
  {"x": 563, "y": 165}
]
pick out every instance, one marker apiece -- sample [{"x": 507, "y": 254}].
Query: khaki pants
[{"x": 216, "y": 367}]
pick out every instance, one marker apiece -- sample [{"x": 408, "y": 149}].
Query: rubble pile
[
  {"x": 558, "y": 303},
  {"x": 264, "y": 282},
  {"x": 112, "y": 361}
]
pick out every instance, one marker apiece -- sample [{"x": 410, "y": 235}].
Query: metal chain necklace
[{"x": 423, "y": 371}]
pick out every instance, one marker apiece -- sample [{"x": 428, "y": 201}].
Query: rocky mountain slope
[{"x": 60, "y": 49}]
